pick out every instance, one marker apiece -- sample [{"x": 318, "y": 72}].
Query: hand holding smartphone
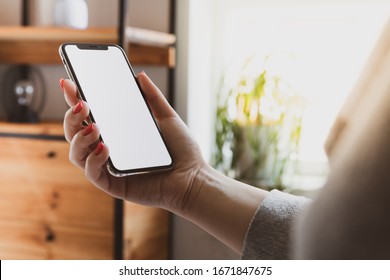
[{"x": 106, "y": 81}]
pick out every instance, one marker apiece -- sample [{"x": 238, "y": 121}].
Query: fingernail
[
  {"x": 99, "y": 149},
  {"x": 62, "y": 80},
  {"x": 78, "y": 107},
  {"x": 88, "y": 129}
]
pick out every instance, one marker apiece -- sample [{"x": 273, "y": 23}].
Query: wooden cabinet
[{"x": 49, "y": 211}]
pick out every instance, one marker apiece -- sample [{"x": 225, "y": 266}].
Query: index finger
[{"x": 70, "y": 92}]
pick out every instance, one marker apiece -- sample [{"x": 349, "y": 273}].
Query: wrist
[
  {"x": 199, "y": 189},
  {"x": 198, "y": 184},
  {"x": 220, "y": 205}
]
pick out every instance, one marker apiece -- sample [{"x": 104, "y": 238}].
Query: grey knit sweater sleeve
[{"x": 269, "y": 234}]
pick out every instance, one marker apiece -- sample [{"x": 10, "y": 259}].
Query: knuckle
[
  {"x": 88, "y": 173},
  {"x": 72, "y": 159},
  {"x": 76, "y": 156}
]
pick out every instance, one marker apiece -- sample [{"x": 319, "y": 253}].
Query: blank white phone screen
[{"x": 118, "y": 107}]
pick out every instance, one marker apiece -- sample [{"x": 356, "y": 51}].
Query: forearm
[{"x": 222, "y": 206}]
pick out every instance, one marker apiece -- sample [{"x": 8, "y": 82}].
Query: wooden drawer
[
  {"x": 39, "y": 183},
  {"x": 48, "y": 210},
  {"x": 145, "y": 232},
  {"x": 25, "y": 239}
]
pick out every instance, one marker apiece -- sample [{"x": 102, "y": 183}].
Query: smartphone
[{"x": 105, "y": 79}]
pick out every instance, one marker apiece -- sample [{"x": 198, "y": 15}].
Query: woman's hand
[
  {"x": 192, "y": 189},
  {"x": 172, "y": 189}
]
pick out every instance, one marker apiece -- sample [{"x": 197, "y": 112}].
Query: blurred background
[{"x": 258, "y": 82}]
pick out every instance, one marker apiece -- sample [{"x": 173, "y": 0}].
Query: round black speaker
[{"x": 23, "y": 93}]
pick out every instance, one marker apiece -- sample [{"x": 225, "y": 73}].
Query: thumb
[{"x": 156, "y": 100}]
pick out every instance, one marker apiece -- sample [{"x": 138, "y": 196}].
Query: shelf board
[
  {"x": 43, "y": 128},
  {"x": 39, "y": 45}
]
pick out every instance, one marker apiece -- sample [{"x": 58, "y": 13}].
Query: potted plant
[{"x": 258, "y": 128}]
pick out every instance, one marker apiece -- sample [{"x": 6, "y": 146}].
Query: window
[{"x": 329, "y": 40}]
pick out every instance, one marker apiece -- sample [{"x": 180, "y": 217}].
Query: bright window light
[{"x": 329, "y": 43}]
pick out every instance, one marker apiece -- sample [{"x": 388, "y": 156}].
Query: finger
[
  {"x": 95, "y": 167},
  {"x": 156, "y": 100},
  {"x": 73, "y": 119},
  {"x": 81, "y": 144},
  {"x": 70, "y": 92},
  {"x": 96, "y": 171}
]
